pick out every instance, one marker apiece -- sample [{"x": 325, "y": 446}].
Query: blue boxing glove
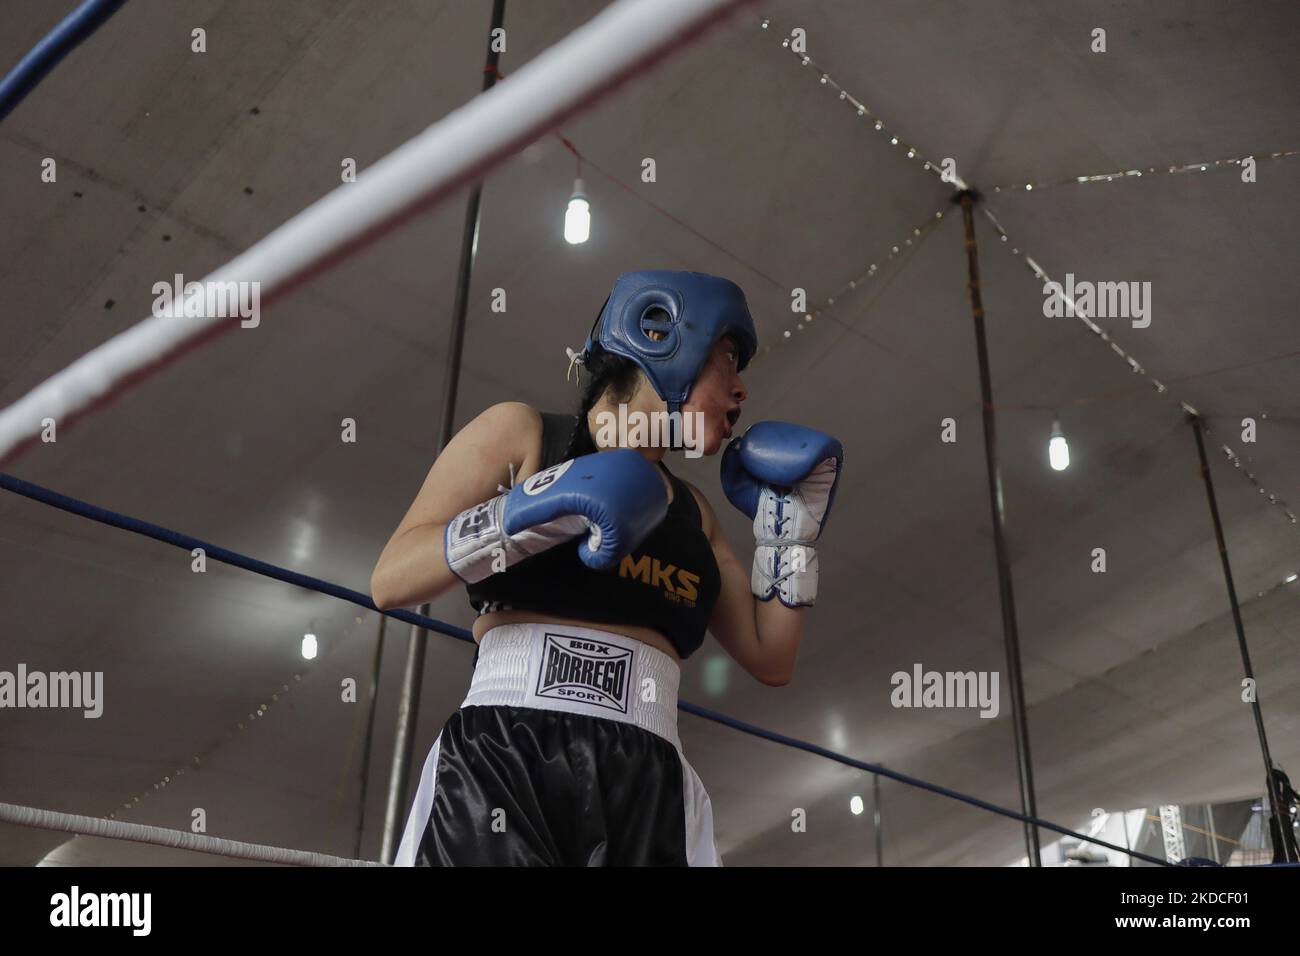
[
  {"x": 783, "y": 476},
  {"x": 616, "y": 498}
]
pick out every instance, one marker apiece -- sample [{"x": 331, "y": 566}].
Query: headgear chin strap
[{"x": 692, "y": 310}]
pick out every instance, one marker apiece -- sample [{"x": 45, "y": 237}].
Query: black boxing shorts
[{"x": 564, "y": 753}]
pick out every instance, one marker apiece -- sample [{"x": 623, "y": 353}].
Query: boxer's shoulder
[
  {"x": 511, "y": 419},
  {"x": 513, "y": 432}
]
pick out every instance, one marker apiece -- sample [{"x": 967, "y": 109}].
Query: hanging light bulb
[
  {"x": 309, "y": 647},
  {"x": 577, "y": 219},
  {"x": 1058, "y": 452},
  {"x": 855, "y": 805}
]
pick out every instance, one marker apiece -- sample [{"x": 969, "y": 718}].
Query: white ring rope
[
  {"x": 161, "y": 836},
  {"x": 627, "y": 37}
]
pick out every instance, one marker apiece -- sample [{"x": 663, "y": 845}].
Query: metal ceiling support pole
[
  {"x": 1274, "y": 798},
  {"x": 1214, "y": 837},
  {"x": 875, "y": 797},
  {"x": 1123, "y": 817},
  {"x": 1024, "y": 767},
  {"x": 370, "y": 731},
  {"x": 413, "y": 676}
]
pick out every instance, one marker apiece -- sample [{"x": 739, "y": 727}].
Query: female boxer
[{"x": 595, "y": 572}]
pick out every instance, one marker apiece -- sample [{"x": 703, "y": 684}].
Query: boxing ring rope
[
  {"x": 162, "y": 836},
  {"x": 71, "y": 31},
  {"x": 127, "y": 523},
  {"x": 621, "y": 41},
  {"x": 224, "y": 555}
]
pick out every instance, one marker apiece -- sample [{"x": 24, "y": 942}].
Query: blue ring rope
[{"x": 53, "y": 47}]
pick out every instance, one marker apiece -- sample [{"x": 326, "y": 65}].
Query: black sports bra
[{"x": 670, "y": 583}]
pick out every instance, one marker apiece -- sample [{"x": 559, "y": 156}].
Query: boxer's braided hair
[{"x": 602, "y": 370}]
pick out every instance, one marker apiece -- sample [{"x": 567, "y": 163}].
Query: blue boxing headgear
[{"x": 691, "y": 309}]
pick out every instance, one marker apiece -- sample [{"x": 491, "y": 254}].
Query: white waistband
[{"x": 580, "y": 670}]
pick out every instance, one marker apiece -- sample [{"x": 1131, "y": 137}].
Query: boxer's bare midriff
[{"x": 645, "y": 635}]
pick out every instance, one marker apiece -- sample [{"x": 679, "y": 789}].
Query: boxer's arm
[
  {"x": 762, "y": 636},
  {"x": 413, "y": 565}
]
